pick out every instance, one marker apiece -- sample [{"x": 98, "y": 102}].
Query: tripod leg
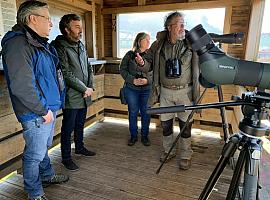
[
  {"x": 228, "y": 152},
  {"x": 225, "y": 125},
  {"x": 237, "y": 174},
  {"x": 181, "y": 131},
  {"x": 251, "y": 177}
]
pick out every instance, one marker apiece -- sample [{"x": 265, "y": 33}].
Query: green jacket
[
  {"x": 152, "y": 59},
  {"x": 77, "y": 73},
  {"x": 129, "y": 70}
]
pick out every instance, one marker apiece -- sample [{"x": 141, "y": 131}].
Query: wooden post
[
  {"x": 255, "y": 26},
  {"x": 227, "y": 25},
  {"x": 114, "y": 34},
  {"x": 100, "y": 40},
  {"x": 90, "y": 32}
]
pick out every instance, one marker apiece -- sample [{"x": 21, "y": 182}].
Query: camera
[{"x": 173, "y": 68}]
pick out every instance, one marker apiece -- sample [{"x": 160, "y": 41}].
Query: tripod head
[
  {"x": 252, "y": 124},
  {"x": 254, "y": 106}
]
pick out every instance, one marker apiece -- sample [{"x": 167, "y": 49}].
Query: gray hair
[
  {"x": 26, "y": 9},
  {"x": 170, "y": 17}
]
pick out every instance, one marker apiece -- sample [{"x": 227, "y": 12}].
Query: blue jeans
[
  {"x": 137, "y": 101},
  {"x": 73, "y": 120},
  {"x": 36, "y": 162}
]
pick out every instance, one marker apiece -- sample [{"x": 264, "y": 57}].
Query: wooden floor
[{"x": 120, "y": 172}]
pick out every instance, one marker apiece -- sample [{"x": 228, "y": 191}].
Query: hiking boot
[
  {"x": 163, "y": 156},
  {"x": 70, "y": 165},
  {"x": 184, "y": 164},
  {"x": 56, "y": 179},
  {"x": 132, "y": 141},
  {"x": 39, "y": 198},
  {"x": 145, "y": 141},
  {"x": 85, "y": 152}
]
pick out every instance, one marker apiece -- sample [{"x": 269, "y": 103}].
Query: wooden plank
[
  {"x": 114, "y": 104},
  {"x": 90, "y": 34},
  {"x": 214, "y": 116},
  {"x": 8, "y": 125},
  {"x": 175, "y": 6},
  {"x": 76, "y": 4},
  {"x": 119, "y": 3},
  {"x": 227, "y": 25},
  {"x": 100, "y": 2},
  {"x": 96, "y": 107},
  {"x": 99, "y": 87},
  {"x": 108, "y": 35},
  {"x": 125, "y": 116},
  {"x": 13, "y": 147},
  {"x": 100, "y": 40},
  {"x": 229, "y": 89},
  {"x": 113, "y": 79},
  {"x": 115, "y": 28},
  {"x": 141, "y": 2},
  {"x": 5, "y": 103},
  {"x": 255, "y": 25}
]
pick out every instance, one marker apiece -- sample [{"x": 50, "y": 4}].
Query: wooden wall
[
  {"x": 108, "y": 36},
  {"x": 239, "y": 23},
  {"x": 11, "y": 140}
]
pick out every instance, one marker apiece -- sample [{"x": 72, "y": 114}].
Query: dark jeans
[
  {"x": 73, "y": 120},
  {"x": 137, "y": 101}
]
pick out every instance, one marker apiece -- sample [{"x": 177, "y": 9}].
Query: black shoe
[
  {"x": 145, "y": 141},
  {"x": 132, "y": 141},
  {"x": 70, "y": 165},
  {"x": 39, "y": 198},
  {"x": 85, "y": 152},
  {"x": 56, "y": 179}
]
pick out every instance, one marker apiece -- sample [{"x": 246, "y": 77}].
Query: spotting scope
[
  {"x": 231, "y": 38},
  {"x": 220, "y": 69}
]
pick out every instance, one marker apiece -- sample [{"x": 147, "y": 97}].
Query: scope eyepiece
[{"x": 200, "y": 41}]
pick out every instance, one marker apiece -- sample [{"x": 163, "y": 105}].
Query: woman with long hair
[{"x": 137, "y": 88}]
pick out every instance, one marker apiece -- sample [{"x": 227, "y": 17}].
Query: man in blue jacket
[{"x": 30, "y": 69}]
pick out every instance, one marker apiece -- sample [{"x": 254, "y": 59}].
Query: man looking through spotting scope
[{"x": 175, "y": 81}]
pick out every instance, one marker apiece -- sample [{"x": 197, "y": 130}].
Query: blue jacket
[{"x": 30, "y": 70}]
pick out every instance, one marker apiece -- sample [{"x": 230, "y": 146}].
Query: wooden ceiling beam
[
  {"x": 141, "y": 2},
  {"x": 174, "y": 6},
  {"x": 76, "y": 4},
  {"x": 100, "y": 2}
]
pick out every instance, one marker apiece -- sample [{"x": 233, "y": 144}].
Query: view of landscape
[{"x": 130, "y": 24}]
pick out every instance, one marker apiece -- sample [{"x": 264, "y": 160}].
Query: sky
[{"x": 266, "y": 18}]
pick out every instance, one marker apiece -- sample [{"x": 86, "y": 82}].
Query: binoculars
[{"x": 173, "y": 68}]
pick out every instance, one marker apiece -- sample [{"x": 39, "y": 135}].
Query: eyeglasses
[
  {"x": 181, "y": 24},
  {"x": 47, "y": 18}
]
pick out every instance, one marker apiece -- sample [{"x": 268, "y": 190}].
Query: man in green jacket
[{"x": 79, "y": 83}]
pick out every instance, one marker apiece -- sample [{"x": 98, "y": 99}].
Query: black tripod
[{"x": 254, "y": 105}]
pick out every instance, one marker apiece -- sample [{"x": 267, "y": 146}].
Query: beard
[{"x": 182, "y": 36}]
